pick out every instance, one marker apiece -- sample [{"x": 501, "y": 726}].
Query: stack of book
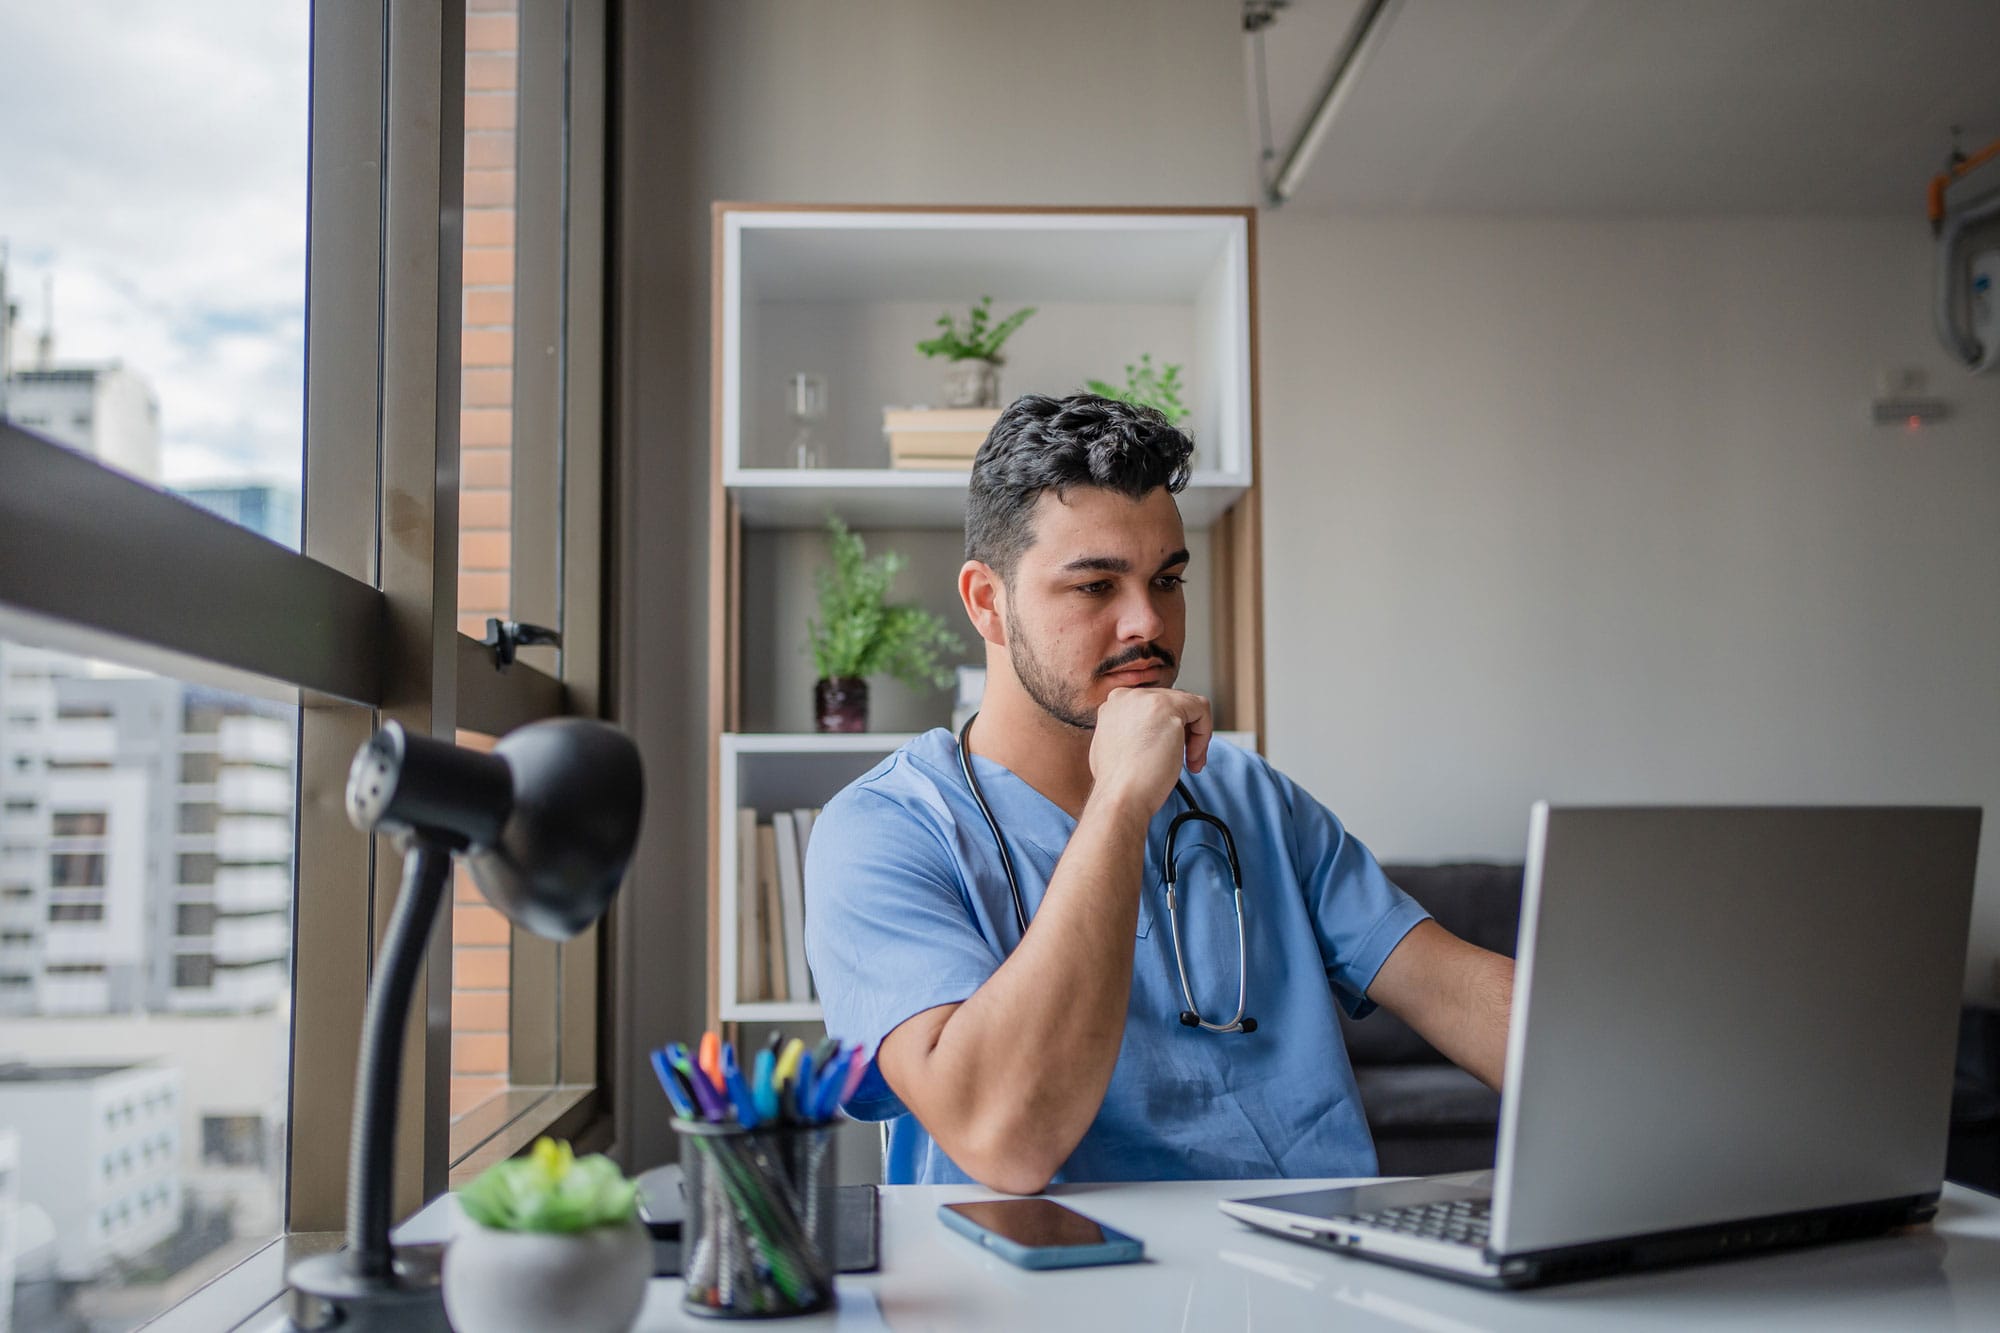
[
  {"x": 771, "y": 906},
  {"x": 936, "y": 439}
]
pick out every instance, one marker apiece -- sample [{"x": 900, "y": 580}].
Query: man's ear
[{"x": 985, "y": 596}]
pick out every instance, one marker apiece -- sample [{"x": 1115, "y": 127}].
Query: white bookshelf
[{"x": 846, "y": 292}]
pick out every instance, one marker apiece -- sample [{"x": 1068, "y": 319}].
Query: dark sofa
[{"x": 1427, "y": 1114}]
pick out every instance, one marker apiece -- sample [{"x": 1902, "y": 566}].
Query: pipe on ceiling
[{"x": 1364, "y": 34}]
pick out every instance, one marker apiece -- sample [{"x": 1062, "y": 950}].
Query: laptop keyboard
[{"x": 1457, "y": 1221}]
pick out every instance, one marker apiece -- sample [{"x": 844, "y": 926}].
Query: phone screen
[{"x": 1037, "y": 1223}]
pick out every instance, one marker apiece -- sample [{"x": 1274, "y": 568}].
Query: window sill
[
  {"x": 251, "y": 1295},
  {"x": 507, "y": 1122}
]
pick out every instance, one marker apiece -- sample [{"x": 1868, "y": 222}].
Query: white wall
[{"x": 1594, "y": 511}]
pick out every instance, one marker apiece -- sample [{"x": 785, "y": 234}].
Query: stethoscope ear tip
[
  {"x": 1188, "y": 1019},
  {"x": 1249, "y": 1024}
]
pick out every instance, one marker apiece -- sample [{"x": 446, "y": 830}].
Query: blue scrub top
[{"x": 907, "y": 908}]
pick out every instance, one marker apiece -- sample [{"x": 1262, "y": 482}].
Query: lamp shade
[
  {"x": 547, "y": 821},
  {"x": 562, "y": 852}
]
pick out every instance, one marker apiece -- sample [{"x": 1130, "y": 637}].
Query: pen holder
[{"x": 758, "y": 1239}]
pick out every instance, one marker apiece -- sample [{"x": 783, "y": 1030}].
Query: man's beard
[{"x": 1059, "y": 698}]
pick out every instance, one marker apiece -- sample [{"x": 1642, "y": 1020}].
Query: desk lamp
[{"x": 546, "y": 823}]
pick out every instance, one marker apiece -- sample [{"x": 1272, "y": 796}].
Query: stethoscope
[{"x": 1190, "y": 1016}]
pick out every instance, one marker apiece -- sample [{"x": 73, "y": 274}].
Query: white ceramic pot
[
  {"x": 533, "y": 1282},
  {"x": 972, "y": 383}
]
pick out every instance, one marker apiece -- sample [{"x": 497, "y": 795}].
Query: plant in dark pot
[{"x": 858, "y": 634}]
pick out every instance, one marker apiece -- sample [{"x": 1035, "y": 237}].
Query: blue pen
[
  {"x": 826, "y": 1098},
  {"x": 665, "y": 1073},
  {"x": 705, "y": 1095},
  {"x": 739, "y": 1091},
  {"x": 762, "y": 1090}
]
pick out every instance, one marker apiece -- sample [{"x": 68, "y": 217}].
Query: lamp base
[{"x": 323, "y": 1292}]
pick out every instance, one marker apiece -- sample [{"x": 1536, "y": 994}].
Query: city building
[
  {"x": 103, "y": 410},
  {"x": 145, "y": 842},
  {"x": 263, "y": 507},
  {"x": 10, "y": 1221},
  {"x": 115, "y": 1191}
]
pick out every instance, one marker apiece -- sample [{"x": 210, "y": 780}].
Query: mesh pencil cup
[{"x": 758, "y": 1238}]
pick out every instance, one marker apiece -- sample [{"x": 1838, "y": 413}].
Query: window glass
[
  {"x": 486, "y": 346},
  {"x": 144, "y": 985},
  {"x": 480, "y": 935},
  {"x": 481, "y": 957},
  {"x": 153, "y": 243}
]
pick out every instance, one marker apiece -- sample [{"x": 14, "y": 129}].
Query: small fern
[
  {"x": 857, "y": 632},
  {"x": 979, "y": 339},
  {"x": 1147, "y": 387}
]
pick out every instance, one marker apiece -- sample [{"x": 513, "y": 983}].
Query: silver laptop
[{"x": 1733, "y": 1030}]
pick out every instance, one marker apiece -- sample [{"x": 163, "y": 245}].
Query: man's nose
[{"x": 1138, "y": 618}]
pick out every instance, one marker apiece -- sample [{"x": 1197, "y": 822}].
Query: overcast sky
[{"x": 153, "y": 162}]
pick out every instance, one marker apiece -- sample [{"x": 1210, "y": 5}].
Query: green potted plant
[
  {"x": 549, "y": 1240},
  {"x": 973, "y": 379},
  {"x": 859, "y": 634},
  {"x": 1147, "y": 387}
]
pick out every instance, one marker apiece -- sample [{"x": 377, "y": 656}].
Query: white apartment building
[
  {"x": 10, "y": 1221},
  {"x": 105, "y": 411},
  {"x": 145, "y": 842},
  {"x": 102, "y": 410},
  {"x": 114, "y": 1192}
]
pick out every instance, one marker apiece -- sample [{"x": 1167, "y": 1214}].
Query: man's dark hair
[{"x": 1042, "y": 443}]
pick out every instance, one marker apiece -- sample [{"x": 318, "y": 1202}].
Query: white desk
[{"x": 1208, "y": 1273}]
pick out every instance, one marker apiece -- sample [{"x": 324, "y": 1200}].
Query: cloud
[{"x": 153, "y": 161}]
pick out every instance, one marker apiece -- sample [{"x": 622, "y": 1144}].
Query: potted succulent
[
  {"x": 973, "y": 379},
  {"x": 859, "y": 634},
  {"x": 550, "y": 1240},
  {"x": 1147, "y": 387}
]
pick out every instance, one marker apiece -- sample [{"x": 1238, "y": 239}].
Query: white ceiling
[{"x": 1639, "y": 107}]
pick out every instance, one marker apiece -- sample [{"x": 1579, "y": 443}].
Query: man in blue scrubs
[{"x": 1059, "y": 1054}]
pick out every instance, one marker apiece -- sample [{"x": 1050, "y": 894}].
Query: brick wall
[{"x": 479, "y": 934}]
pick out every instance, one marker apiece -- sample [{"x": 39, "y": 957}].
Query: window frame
[{"x": 359, "y": 627}]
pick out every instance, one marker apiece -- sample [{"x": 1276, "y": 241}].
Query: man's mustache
[{"x": 1139, "y": 653}]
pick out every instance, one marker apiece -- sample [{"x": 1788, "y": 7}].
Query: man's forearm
[
  {"x": 1028, "y": 1057},
  {"x": 1484, "y": 1012}
]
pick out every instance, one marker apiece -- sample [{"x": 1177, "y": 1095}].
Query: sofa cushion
[
  {"x": 1477, "y": 901},
  {"x": 1441, "y": 1096}
]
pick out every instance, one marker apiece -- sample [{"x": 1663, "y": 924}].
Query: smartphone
[{"x": 1040, "y": 1233}]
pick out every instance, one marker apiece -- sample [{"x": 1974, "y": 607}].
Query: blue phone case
[{"x": 1117, "y": 1248}]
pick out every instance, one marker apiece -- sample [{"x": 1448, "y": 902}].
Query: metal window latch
[{"x": 505, "y": 636}]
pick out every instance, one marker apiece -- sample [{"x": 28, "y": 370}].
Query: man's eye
[
  {"x": 1168, "y": 582},
  {"x": 1094, "y": 589}
]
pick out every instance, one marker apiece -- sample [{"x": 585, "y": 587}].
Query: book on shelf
[
  {"x": 935, "y": 444},
  {"x": 933, "y": 439},
  {"x": 751, "y": 981},
  {"x": 791, "y": 894},
  {"x": 770, "y": 906},
  {"x": 978, "y": 419},
  {"x": 907, "y": 464},
  {"x": 770, "y": 934},
  {"x": 803, "y": 817}
]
